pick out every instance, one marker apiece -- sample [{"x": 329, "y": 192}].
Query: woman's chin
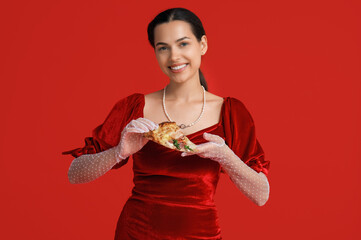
[{"x": 178, "y": 81}]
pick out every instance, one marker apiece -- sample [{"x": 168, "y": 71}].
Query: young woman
[{"x": 173, "y": 193}]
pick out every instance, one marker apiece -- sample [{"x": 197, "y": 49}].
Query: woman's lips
[{"x": 183, "y": 67}]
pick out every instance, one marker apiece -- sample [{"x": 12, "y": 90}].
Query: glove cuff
[{"x": 118, "y": 156}]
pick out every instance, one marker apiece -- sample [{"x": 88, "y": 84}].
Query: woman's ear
[{"x": 204, "y": 44}]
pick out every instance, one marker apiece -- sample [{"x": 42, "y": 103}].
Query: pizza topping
[
  {"x": 188, "y": 148},
  {"x": 176, "y": 144}
]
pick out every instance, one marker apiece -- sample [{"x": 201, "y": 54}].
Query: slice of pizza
[{"x": 170, "y": 135}]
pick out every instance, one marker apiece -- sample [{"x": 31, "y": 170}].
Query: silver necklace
[{"x": 182, "y": 126}]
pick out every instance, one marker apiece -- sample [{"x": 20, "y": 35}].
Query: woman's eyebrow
[{"x": 180, "y": 39}]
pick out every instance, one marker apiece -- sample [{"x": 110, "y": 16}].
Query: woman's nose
[{"x": 175, "y": 54}]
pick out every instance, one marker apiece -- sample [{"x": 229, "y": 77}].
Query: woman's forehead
[{"x": 172, "y": 31}]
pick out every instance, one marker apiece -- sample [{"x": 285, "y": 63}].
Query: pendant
[{"x": 182, "y": 126}]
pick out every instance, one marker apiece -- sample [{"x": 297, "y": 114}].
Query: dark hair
[{"x": 183, "y": 15}]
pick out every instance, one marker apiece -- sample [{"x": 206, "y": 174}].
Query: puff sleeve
[
  {"x": 107, "y": 134},
  {"x": 240, "y": 136}
]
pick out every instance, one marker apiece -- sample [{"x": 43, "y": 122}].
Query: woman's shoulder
[
  {"x": 212, "y": 96},
  {"x": 131, "y": 98},
  {"x": 231, "y": 101},
  {"x": 129, "y": 102},
  {"x": 153, "y": 99},
  {"x": 154, "y": 95},
  {"x": 236, "y": 102},
  {"x": 214, "y": 99},
  {"x": 235, "y": 106}
]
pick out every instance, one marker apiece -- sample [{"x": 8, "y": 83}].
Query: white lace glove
[
  {"x": 89, "y": 167},
  {"x": 254, "y": 185}
]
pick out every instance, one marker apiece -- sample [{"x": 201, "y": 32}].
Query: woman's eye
[
  {"x": 184, "y": 44},
  {"x": 161, "y": 48}
]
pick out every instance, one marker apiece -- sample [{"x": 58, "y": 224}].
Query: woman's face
[{"x": 176, "y": 45}]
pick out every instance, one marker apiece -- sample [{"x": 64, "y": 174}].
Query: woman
[{"x": 173, "y": 193}]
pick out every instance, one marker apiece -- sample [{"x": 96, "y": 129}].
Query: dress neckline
[{"x": 199, "y": 131}]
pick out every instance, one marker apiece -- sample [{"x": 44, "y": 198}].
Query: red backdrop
[{"x": 295, "y": 65}]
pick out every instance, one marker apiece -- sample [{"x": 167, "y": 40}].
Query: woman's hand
[
  {"x": 216, "y": 149},
  {"x": 132, "y": 140}
]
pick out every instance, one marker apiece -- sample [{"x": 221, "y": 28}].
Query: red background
[{"x": 296, "y": 65}]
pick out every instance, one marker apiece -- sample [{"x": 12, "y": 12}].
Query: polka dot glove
[
  {"x": 254, "y": 185},
  {"x": 89, "y": 167},
  {"x": 132, "y": 140}
]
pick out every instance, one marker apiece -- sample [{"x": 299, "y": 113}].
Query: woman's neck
[{"x": 184, "y": 92}]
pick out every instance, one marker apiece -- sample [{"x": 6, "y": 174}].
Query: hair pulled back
[{"x": 183, "y": 15}]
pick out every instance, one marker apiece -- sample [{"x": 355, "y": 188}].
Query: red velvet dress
[{"x": 172, "y": 197}]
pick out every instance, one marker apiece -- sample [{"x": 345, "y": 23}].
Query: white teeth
[{"x": 178, "y": 67}]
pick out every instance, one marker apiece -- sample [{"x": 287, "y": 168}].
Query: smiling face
[{"x": 176, "y": 46}]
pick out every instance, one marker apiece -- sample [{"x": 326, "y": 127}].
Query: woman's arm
[
  {"x": 254, "y": 185},
  {"x": 89, "y": 167}
]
